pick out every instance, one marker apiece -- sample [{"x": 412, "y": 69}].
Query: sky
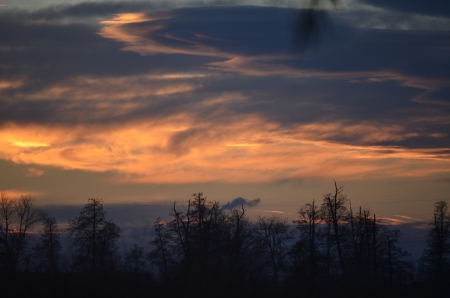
[{"x": 144, "y": 103}]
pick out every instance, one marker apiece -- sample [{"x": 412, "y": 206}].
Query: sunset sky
[{"x": 145, "y": 103}]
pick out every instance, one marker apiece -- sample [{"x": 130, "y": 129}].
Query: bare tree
[
  {"x": 390, "y": 256},
  {"x": 239, "y": 247},
  {"x": 436, "y": 257},
  {"x": 95, "y": 237},
  {"x": 235, "y": 228},
  {"x": 17, "y": 217},
  {"x": 307, "y": 222},
  {"x": 162, "y": 254},
  {"x": 274, "y": 237},
  {"x": 194, "y": 227},
  {"x": 334, "y": 207},
  {"x": 48, "y": 249}
]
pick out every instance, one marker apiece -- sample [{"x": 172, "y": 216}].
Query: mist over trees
[{"x": 330, "y": 249}]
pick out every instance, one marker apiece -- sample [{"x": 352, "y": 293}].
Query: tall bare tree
[
  {"x": 308, "y": 223},
  {"x": 274, "y": 237},
  {"x": 48, "y": 249},
  {"x": 162, "y": 255},
  {"x": 436, "y": 257},
  {"x": 17, "y": 217},
  {"x": 334, "y": 207}
]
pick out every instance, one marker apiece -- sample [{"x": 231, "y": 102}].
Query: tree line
[{"x": 330, "y": 249}]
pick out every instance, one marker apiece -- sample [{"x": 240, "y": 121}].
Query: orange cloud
[
  {"x": 118, "y": 88},
  {"x": 34, "y": 172},
  {"x": 397, "y": 219},
  {"x": 274, "y": 211},
  {"x": 28, "y": 144},
  {"x": 393, "y": 221},
  {"x": 10, "y": 84},
  {"x": 126, "y": 18},
  {"x": 407, "y": 217},
  {"x": 178, "y": 149},
  {"x": 17, "y": 193}
]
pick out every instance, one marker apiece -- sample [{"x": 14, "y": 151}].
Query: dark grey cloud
[
  {"x": 238, "y": 202},
  {"x": 433, "y": 8}
]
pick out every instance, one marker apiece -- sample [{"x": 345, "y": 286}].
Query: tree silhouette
[
  {"x": 135, "y": 259},
  {"x": 95, "y": 237},
  {"x": 48, "y": 249},
  {"x": 334, "y": 208},
  {"x": 17, "y": 217},
  {"x": 274, "y": 237},
  {"x": 162, "y": 255},
  {"x": 436, "y": 257},
  {"x": 306, "y": 248}
]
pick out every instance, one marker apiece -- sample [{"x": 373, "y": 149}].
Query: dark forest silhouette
[{"x": 329, "y": 250}]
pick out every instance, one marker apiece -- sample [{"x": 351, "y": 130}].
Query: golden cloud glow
[
  {"x": 17, "y": 193},
  {"x": 177, "y": 149},
  {"x": 10, "y": 84},
  {"x": 126, "y": 18},
  {"x": 28, "y": 144}
]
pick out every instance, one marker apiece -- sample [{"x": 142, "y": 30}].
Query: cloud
[
  {"x": 238, "y": 202},
  {"x": 177, "y": 148},
  {"x": 273, "y": 211},
  {"x": 434, "y": 8},
  {"x": 212, "y": 94},
  {"x": 34, "y": 172}
]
